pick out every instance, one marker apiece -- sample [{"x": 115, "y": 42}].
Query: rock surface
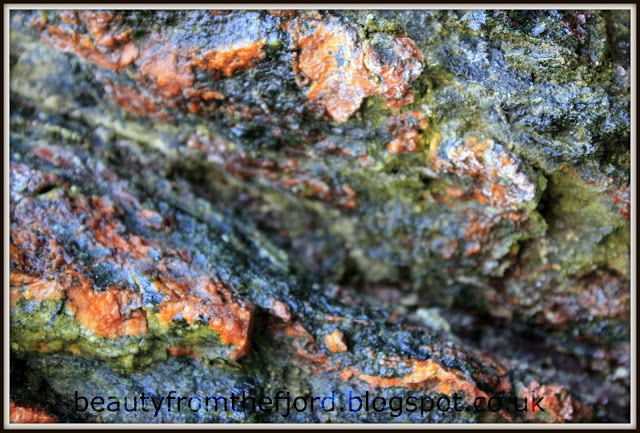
[{"x": 398, "y": 202}]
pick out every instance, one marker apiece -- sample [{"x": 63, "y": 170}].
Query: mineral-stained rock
[
  {"x": 341, "y": 71},
  {"x": 28, "y": 415},
  {"x": 222, "y": 201},
  {"x": 47, "y": 270},
  {"x": 101, "y": 273}
]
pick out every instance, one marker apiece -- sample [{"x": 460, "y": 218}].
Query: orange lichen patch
[
  {"x": 338, "y": 85},
  {"x": 27, "y": 256},
  {"x": 208, "y": 95},
  {"x": 128, "y": 55},
  {"x": 330, "y": 59},
  {"x": 27, "y": 415},
  {"x": 167, "y": 68},
  {"x": 406, "y": 131},
  {"x": 426, "y": 375},
  {"x": 299, "y": 342},
  {"x": 396, "y": 77},
  {"x": 180, "y": 350},
  {"x": 622, "y": 197},
  {"x": 453, "y": 192},
  {"x": 134, "y": 102},
  {"x": 227, "y": 61},
  {"x": 109, "y": 314},
  {"x": 165, "y": 75},
  {"x": 497, "y": 181},
  {"x": 23, "y": 247},
  {"x": 42, "y": 347},
  {"x": 335, "y": 342},
  {"x": 477, "y": 232},
  {"x": 107, "y": 230},
  {"x": 207, "y": 300},
  {"x": 478, "y": 229},
  {"x": 559, "y": 406},
  {"x": 102, "y": 312},
  {"x": 429, "y": 375},
  {"x": 32, "y": 288},
  {"x": 106, "y": 43},
  {"x": 346, "y": 374},
  {"x": 297, "y": 330},
  {"x": 166, "y": 79},
  {"x": 41, "y": 269}
]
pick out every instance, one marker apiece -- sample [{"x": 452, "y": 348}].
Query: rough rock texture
[{"x": 392, "y": 201}]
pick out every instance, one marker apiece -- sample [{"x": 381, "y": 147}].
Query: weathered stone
[{"x": 224, "y": 193}]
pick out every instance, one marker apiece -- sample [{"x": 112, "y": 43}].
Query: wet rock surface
[{"x": 399, "y": 202}]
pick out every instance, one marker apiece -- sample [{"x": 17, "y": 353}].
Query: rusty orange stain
[
  {"x": 426, "y": 375},
  {"x": 100, "y": 312},
  {"x": 169, "y": 71},
  {"x": 165, "y": 71},
  {"x": 204, "y": 299},
  {"x": 180, "y": 350},
  {"x": 33, "y": 288},
  {"x": 558, "y": 404},
  {"x": 406, "y": 131},
  {"x": 226, "y": 61},
  {"x": 341, "y": 72},
  {"x": 106, "y": 44},
  {"x": 106, "y": 229},
  {"x": 133, "y": 101},
  {"x": 339, "y": 88},
  {"x": 42, "y": 270},
  {"x": 27, "y": 415},
  {"x": 396, "y": 77},
  {"x": 495, "y": 175},
  {"x": 622, "y": 197},
  {"x": 335, "y": 342}
]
